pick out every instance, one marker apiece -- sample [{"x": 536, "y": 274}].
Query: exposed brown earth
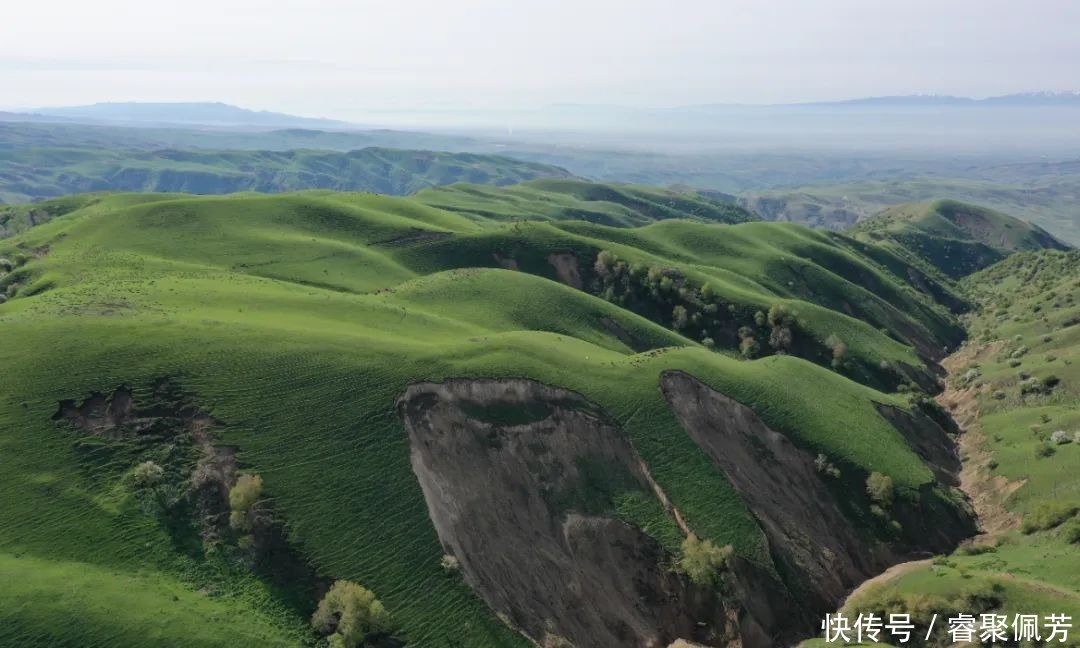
[
  {"x": 988, "y": 492},
  {"x": 496, "y": 489}
]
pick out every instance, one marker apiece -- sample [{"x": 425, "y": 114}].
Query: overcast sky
[{"x": 339, "y": 58}]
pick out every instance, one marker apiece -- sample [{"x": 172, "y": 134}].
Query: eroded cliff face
[
  {"x": 508, "y": 468},
  {"x": 806, "y": 529},
  {"x": 519, "y": 479},
  {"x": 821, "y": 551}
]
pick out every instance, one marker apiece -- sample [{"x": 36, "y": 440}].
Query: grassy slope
[
  {"x": 956, "y": 238},
  {"x": 751, "y": 266},
  {"x": 1032, "y": 301},
  {"x": 606, "y": 204},
  {"x": 121, "y": 608},
  {"x": 289, "y": 325},
  {"x": 28, "y": 174}
]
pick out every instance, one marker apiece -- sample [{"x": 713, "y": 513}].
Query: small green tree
[
  {"x": 839, "y": 349},
  {"x": 242, "y": 499},
  {"x": 781, "y": 315},
  {"x": 147, "y": 474},
  {"x": 880, "y": 489},
  {"x": 348, "y": 614},
  {"x": 748, "y": 344},
  {"x": 605, "y": 261},
  {"x": 702, "y": 560},
  {"x": 780, "y": 338},
  {"x": 679, "y": 317}
]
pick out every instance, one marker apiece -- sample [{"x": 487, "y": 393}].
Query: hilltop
[
  {"x": 956, "y": 238},
  {"x": 570, "y": 199},
  {"x": 425, "y": 395},
  {"x": 1042, "y": 193}
]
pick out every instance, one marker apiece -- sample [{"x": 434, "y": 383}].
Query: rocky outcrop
[{"x": 515, "y": 475}]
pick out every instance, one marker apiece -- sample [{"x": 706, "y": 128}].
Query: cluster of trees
[{"x": 670, "y": 298}]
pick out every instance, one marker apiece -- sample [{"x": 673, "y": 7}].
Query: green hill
[
  {"x": 1043, "y": 193},
  {"x": 156, "y": 346},
  {"x": 567, "y": 199},
  {"x": 956, "y": 238},
  {"x": 28, "y": 174}
]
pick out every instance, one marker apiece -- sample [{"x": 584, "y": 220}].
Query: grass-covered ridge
[
  {"x": 954, "y": 237},
  {"x": 296, "y": 321},
  {"x": 568, "y": 199},
  {"x": 28, "y": 174}
]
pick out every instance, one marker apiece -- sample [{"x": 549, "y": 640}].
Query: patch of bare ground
[
  {"x": 988, "y": 492},
  {"x": 566, "y": 269},
  {"x": 506, "y": 263}
]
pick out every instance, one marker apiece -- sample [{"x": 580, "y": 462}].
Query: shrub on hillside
[
  {"x": 1047, "y": 515},
  {"x": 449, "y": 563},
  {"x": 748, "y": 344},
  {"x": 679, "y": 317},
  {"x": 702, "y": 560},
  {"x": 605, "y": 261},
  {"x": 242, "y": 499},
  {"x": 348, "y": 614},
  {"x": 1071, "y": 531},
  {"x": 1060, "y": 437},
  {"x": 880, "y": 489},
  {"x": 147, "y": 474},
  {"x": 826, "y": 467},
  {"x": 783, "y": 323},
  {"x": 1032, "y": 386}
]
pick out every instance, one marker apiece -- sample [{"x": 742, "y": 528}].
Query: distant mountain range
[
  {"x": 223, "y": 115},
  {"x": 1071, "y": 98},
  {"x": 191, "y": 113}
]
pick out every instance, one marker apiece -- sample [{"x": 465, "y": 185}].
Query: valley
[{"x": 1020, "y": 470}]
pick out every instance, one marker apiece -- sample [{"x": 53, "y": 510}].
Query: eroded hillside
[{"x": 493, "y": 426}]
